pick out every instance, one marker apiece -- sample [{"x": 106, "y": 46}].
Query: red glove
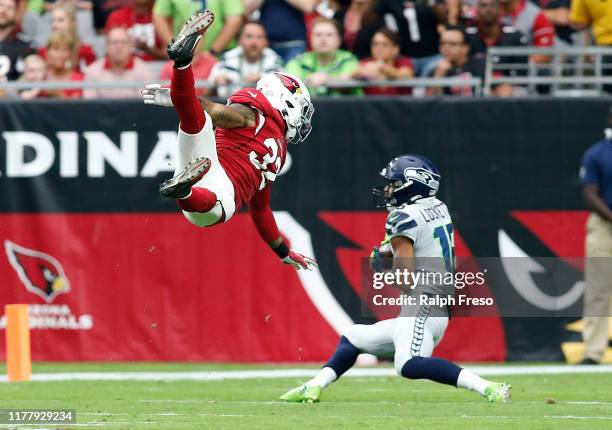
[{"x": 300, "y": 261}]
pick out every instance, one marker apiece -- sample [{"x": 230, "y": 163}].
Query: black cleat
[
  {"x": 180, "y": 186},
  {"x": 181, "y": 48}
]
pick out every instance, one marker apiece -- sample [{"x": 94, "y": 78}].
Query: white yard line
[
  {"x": 575, "y": 417},
  {"x": 554, "y": 417},
  {"x": 220, "y": 375}
]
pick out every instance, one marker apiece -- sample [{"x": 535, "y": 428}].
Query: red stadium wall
[
  {"x": 185, "y": 293},
  {"x": 114, "y": 272}
]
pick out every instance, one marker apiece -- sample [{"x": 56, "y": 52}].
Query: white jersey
[{"x": 429, "y": 225}]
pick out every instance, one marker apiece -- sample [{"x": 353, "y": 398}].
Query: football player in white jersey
[{"x": 419, "y": 237}]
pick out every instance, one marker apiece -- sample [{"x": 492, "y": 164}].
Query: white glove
[
  {"x": 155, "y": 94},
  {"x": 299, "y": 261}
]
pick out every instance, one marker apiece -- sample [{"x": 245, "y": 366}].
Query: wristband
[{"x": 281, "y": 250}]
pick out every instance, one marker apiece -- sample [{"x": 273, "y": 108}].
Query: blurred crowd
[{"x": 325, "y": 42}]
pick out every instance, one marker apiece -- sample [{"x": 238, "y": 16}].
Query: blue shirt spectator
[
  {"x": 596, "y": 168},
  {"x": 285, "y": 25}
]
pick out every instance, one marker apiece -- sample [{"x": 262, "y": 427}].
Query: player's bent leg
[
  {"x": 203, "y": 190},
  {"x": 185, "y": 101},
  {"x": 342, "y": 360},
  {"x": 374, "y": 339},
  {"x": 415, "y": 339},
  {"x": 180, "y": 185}
]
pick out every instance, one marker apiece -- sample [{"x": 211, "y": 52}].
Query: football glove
[
  {"x": 381, "y": 258},
  {"x": 155, "y": 94},
  {"x": 300, "y": 261}
]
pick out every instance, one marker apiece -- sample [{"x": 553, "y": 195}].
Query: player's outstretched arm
[
  {"x": 229, "y": 116},
  {"x": 263, "y": 218},
  {"x": 224, "y": 116},
  {"x": 403, "y": 257}
]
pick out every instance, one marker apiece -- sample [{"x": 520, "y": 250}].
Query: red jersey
[{"x": 252, "y": 156}]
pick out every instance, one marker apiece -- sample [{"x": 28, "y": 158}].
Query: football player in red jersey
[{"x": 224, "y": 168}]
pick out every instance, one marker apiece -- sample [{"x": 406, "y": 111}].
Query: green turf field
[{"x": 539, "y": 402}]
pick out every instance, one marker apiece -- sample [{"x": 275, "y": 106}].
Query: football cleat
[
  {"x": 180, "y": 186},
  {"x": 498, "y": 392},
  {"x": 180, "y": 49},
  {"x": 303, "y": 394}
]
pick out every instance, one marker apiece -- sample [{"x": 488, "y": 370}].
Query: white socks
[
  {"x": 472, "y": 381},
  {"x": 325, "y": 377}
]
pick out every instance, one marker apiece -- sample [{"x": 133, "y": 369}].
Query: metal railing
[
  {"x": 474, "y": 83},
  {"x": 569, "y": 70}
]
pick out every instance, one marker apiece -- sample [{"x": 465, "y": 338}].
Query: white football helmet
[{"x": 289, "y": 95}]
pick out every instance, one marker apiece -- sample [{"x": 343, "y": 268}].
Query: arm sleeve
[
  {"x": 589, "y": 172},
  {"x": 543, "y": 32},
  {"x": 262, "y": 216},
  {"x": 400, "y": 223}
]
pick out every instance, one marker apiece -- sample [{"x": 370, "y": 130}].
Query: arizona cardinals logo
[
  {"x": 41, "y": 274},
  {"x": 290, "y": 83}
]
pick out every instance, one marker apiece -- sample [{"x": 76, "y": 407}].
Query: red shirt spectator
[
  {"x": 385, "y": 64},
  {"x": 85, "y": 55},
  {"x": 399, "y": 63},
  {"x": 63, "y": 20},
  {"x": 59, "y": 51},
  {"x": 529, "y": 20},
  {"x": 138, "y": 19},
  {"x": 201, "y": 65},
  {"x": 73, "y": 93}
]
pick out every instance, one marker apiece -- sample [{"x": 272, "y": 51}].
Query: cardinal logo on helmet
[
  {"x": 291, "y": 84},
  {"x": 41, "y": 274}
]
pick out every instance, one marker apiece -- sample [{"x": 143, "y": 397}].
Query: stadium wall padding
[{"x": 114, "y": 272}]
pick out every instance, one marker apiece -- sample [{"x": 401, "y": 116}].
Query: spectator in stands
[
  {"x": 247, "y": 62},
  {"x": 118, "y": 65},
  {"x": 221, "y": 34},
  {"x": 359, "y": 22},
  {"x": 14, "y": 45},
  {"x": 596, "y": 178},
  {"x": 63, "y": 20},
  {"x": 385, "y": 64},
  {"x": 202, "y": 65},
  {"x": 78, "y": 4},
  {"x": 488, "y": 31},
  {"x": 137, "y": 17},
  {"x": 34, "y": 70},
  {"x": 326, "y": 62},
  {"x": 284, "y": 23},
  {"x": 558, "y": 11},
  {"x": 102, "y": 10},
  {"x": 532, "y": 22},
  {"x": 60, "y": 48},
  {"x": 417, "y": 25},
  {"x": 596, "y": 13},
  {"x": 457, "y": 63},
  {"x": 458, "y": 13}
]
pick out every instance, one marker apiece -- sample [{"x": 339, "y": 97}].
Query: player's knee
[
  {"x": 400, "y": 359},
  {"x": 410, "y": 368},
  {"x": 205, "y": 219},
  {"x": 354, "y": 334}
]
